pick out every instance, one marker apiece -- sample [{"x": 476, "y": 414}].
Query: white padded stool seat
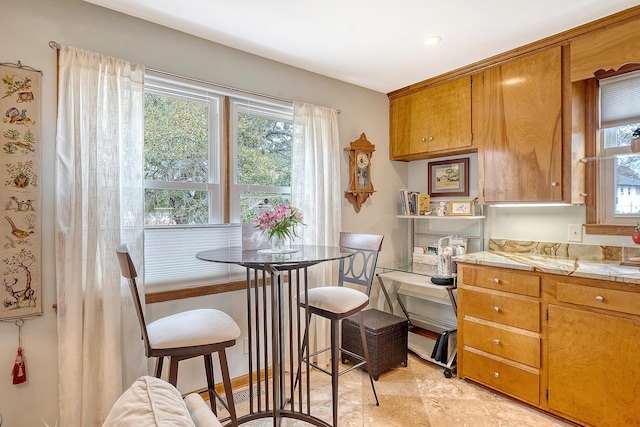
[
  {"x": 192, "y": 328},
  {"x": 336, "y": 299}
]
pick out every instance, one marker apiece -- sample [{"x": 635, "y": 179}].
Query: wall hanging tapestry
[{"x": 20, "y": 247}]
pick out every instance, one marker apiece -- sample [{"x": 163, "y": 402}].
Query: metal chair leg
[
  {"x": 335, "y": 362},
  {"x": 365, "y": 348},
  {"x": 159, "y": 362},
  {"x": 335, "y": 368},
  {"x": 211, "y": 384},
  {"x": 301, "y": 355},
  {"x": 228, "y": 392},
  {"x": 173, "y": 370}
]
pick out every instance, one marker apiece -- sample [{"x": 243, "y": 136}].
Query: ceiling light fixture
[{"x": 433, "y": 40}]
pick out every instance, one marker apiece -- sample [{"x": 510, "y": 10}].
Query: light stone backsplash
[{"x": 562, "y": 249}]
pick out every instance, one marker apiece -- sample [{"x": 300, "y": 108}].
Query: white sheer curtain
[
  {"x": 315, "y": 182},
  {"x": 99, "y": 204}
]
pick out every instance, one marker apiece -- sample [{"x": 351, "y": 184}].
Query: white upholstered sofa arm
[{"x": 154, "y": 402}]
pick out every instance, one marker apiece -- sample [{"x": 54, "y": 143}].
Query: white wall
[
  {"x": 28, "y": 28},
  {"x": 545, "y": 224}
]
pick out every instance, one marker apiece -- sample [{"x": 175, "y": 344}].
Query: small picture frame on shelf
[
  {"x": 449, "y": 178},
  {"x": 424, "y": 203},
  {"x": 461, "y": 207}
]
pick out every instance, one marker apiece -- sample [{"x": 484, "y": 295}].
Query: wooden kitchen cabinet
[
  {"x": 566, "y": 345},
  {"x": 499, "y": 330},
  {"x": 594, "y": 357},
  {"x": 608, "y": 49},
  {"x": 408, "y": 125},
  {"x": 528, "y": 111},
  {"x": 522, "y": 134},
  {"x": 431, "y": 122},
  {"x": 449, "y": 115}
]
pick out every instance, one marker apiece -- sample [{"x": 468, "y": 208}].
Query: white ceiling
[{"x": 376, "y": 44}]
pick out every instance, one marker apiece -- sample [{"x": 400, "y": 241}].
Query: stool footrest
[
  {"x": 353, "y": 355},
  {"x": 344, "y": 371}
]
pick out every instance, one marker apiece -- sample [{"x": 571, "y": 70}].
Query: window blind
[
  {"x": 170, "y": 256},
  {"x": 619, "y": 100}
]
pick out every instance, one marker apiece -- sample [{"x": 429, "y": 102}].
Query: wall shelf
[
  {"x": 427, "y": 306},
  {"x": 465, "y": 219},
  {"x": 445, "y": 218}
]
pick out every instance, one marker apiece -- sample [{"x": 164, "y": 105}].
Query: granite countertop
[{"x": 575, "y": 267}]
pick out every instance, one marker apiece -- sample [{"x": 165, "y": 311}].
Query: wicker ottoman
[{"x": 386, "y": 334}]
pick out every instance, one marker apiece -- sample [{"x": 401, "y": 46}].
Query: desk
[
  {"x": 429, "y": 308},
  {"x": 273, "y": 311}
]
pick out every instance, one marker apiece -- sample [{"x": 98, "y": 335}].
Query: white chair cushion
[
  {"x": 149, "y": 402},
  {"x": 336, "y": 299},
  {"x": 192, "y": 328},
  {"x": 201, "y": 413}
]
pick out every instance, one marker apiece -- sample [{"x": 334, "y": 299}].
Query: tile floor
[{"x": 418, "y": 395}]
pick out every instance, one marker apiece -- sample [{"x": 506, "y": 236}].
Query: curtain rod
[{"x": 55, "y": 45}]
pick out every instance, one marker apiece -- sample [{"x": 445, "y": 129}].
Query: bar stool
[
  {"x": 338, "y": 302},
  {"x": 184, "y": 335}
]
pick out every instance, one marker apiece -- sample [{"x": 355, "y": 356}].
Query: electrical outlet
[
  {"x": 575, "y": 232},
  {"x": 245, "y": 345}
]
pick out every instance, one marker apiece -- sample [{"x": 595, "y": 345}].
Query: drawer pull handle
[
  {"x": 599, "y": 298},
  {"x": 496, "y": 309},
  {"x": 496, "y": 374},
  {"x": 496, "y": 280},
  {"x": 496, "y": 341}
]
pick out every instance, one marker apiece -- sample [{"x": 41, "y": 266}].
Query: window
[
  {"x": 182, "y": 156},
  {"x": 200, "y": 183},
  {"x": 261, "y": 170},
  {"x": 620, "y": 168}
]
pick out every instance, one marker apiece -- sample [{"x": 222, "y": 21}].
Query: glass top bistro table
[{"x": 275, "y": 329}]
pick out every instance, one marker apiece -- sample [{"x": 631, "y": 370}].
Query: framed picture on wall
[
  {"x": 461, "y": 207},
  {"x": 449, "y": 178}
]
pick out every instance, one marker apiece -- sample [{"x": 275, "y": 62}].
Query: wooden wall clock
[{"x": 360, "y": 185}]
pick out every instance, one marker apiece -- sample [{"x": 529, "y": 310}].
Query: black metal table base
[
  {"x": 274, "y": 332},
  {"x": 274, "y": 311}
]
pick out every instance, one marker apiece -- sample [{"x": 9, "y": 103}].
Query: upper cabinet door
[
  {"x": 521, "y": 136},
  {"x": 432, "y": 122},
  {"x": 408, "y": 125},
  {"x": 449, "y": 115}
]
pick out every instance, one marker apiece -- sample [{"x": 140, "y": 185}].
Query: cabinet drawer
[
  {"x": 516, "y": 283},
  {"x": 500, "y": 376},
  {"x": 516, "y": 312},
  {"x": 608, "y": 299},
  {"x": 508, "y": 344}
]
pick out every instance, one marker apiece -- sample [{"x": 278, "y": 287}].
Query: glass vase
[{"x": 279, "y": 243}]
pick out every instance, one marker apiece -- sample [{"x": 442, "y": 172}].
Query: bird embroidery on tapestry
[
  {"x": 15, "y": 116},
  {"x": 20, "y": 234}
]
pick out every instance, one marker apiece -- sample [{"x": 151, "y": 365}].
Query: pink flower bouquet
[{"x": 279, "y": 221}]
